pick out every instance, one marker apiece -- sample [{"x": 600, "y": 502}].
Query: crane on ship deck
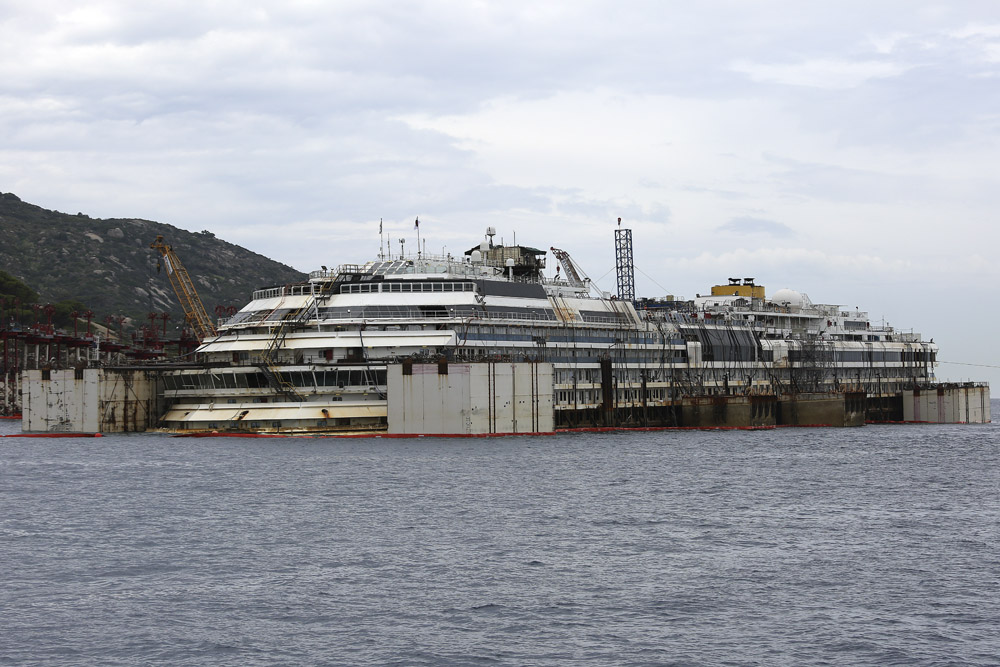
[
  {"x": 574, "y": 274},
  {"x": 194, "y": 310}
]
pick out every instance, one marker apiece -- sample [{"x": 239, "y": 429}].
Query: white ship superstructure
[{"x": 317, "y": 356}]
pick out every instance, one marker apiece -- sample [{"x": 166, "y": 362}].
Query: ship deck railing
[
  {"x": 438, "y": 318},
  {"x": 766, "y": 307},
  {"x": 294, "y": 289},
  {"x": 414, "y": 264},
  {"x": 449, "y": 264}
]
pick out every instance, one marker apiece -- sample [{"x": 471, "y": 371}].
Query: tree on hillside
[
  {"x": 15, "y": 299},
  {"x": 12, "y": 288},
  {"x": 18, "y": 299}
]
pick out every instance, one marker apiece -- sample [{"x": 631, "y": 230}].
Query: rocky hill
[{"x": 109, "y": 266}]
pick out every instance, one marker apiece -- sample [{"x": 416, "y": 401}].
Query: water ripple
[{"x": 871, "y": 546}]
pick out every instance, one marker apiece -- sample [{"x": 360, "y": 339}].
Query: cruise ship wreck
[{"x": 486, "y": 343}]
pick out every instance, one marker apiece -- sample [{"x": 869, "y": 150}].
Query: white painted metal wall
[
  {"x": 473, "y": 398},
  {"x": 96, "y": 401},
  {"x": 949, "y": 404}
]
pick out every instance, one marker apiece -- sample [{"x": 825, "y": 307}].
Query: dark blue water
[{"x": 875, "y": 546}]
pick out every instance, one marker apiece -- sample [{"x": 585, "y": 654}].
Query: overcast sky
[{"x": 846, "y": 149}]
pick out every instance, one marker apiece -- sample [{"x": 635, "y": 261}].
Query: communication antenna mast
[{"x": 623, "y": 262}]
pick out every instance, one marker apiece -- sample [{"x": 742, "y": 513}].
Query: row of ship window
[
  {"x": 430, "y": 311},
  {"x": 306, "y": 379},
  {"x": 596, "y": 397},
  {"x": 580, "y": 338},
  {"x": 375, "y": 312},
  {"x": 569, "y": 356},
  {"x": 867, "y": 356},
  {"x": 736, "y": 354},
  {"x": 367, "y": 288},
  {"x": 278, "y": 424},
  {"x": 621, "y": 375},
  {"x": 214, "y": 425}
]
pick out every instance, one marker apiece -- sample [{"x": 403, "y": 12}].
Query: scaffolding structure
[{"x": 623, "y": 262}]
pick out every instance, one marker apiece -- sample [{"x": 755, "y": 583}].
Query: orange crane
[
  {"x": 194, "y": 310},
  {"x": 574, "y": 274}
]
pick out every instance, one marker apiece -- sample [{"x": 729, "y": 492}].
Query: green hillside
[{"x": 109, "y": 266}]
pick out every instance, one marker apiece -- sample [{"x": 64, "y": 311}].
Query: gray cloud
[
  {"x": 277, "y": 125},
  {"x": 316, "y": 60},
  {"x": 756, "y": 227}
]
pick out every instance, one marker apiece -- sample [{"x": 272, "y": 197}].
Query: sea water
[{"x": 799, "y": 546}]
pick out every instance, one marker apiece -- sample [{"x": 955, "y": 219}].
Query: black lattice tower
[{"x": 623, "y": 262}]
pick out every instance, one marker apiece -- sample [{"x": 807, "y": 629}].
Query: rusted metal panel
[{"x": 91, "y": 401}]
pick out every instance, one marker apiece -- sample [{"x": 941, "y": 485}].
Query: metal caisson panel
[{"x": 470, "y": 398}]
